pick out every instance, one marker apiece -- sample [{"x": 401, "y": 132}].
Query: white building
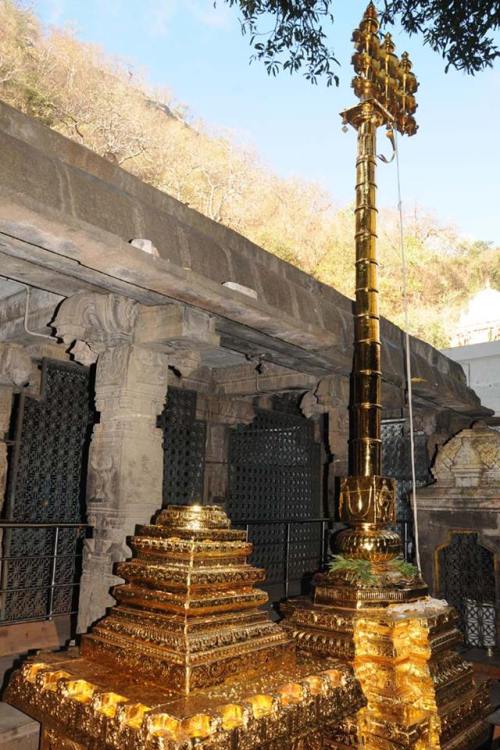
[
  {"x": 481, "y": 363},
  {"x": 476, "y": 346}
]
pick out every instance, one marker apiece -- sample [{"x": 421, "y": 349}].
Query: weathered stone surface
[
  {"x": 15, "y": 365},
  {"x": 464, "y": 497},
  {"x": 71, "y": 231},
  {"x": 176, "y": 327},
  {"x": 42, "y": 306},
  {"x": 255, "y": 378},
  {"x": 17, "y": 730},
  {"x": 126, "y": 456},
  {"x": 101, "y": 321}
]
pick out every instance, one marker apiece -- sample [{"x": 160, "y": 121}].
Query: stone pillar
[
  {"x": 132, "y": 346},
  {"x": 331, "y": 398},
  {"x": 221, "y": 414},
  {"x": 126, "y": 456},
  {"x": 125, "y": 465},
  {"x": 15, "y": 371}
]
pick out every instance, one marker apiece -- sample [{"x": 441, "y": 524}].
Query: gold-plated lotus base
[{"x": 186, "y": 658}]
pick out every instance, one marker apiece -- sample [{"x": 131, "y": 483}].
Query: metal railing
[
  {"x": 320, "y": 559},
  {"x": 285, "y": 537},
  {"x": 44, "y": 563},
  {"x": 287, "y": 525}
]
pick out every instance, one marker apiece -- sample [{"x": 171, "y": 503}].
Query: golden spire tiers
[
  {"x": 371, "y": 609},
  {"x": 186, "y": 658},
  {"x": 188, "y": 614}
]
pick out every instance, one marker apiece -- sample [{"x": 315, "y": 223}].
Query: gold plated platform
[
  {"x": 186, "y": 658},
  {"x": 421, "y": 694},
  {"x": 372, "y": 609}
]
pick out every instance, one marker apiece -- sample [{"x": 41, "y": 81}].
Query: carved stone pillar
[
  {"x": 331, "y": 397},
  {"x": 125, "y": 467},
  {"x": 15, "y": 370},
  {"x": 221, "y": 414},
  {"x": 126, "y": 455}
]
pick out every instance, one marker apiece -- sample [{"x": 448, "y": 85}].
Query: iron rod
[
  {"x": 27, "y": 525},
  {"x": 287, "y": 557},
  {"x": 53, "y": 573}
]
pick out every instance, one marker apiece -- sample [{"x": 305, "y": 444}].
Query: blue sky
[{"x": 450, "y": 168}]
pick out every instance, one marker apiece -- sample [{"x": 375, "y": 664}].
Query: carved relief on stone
[
  {"x": 125, "y": 464},
  {"x": 98, "y": 320},
  {"x": 101, "y": 487},
  {"x": 470, "y": 459},
  {"x": 15, "y": 370},
  {"x": 131, "y": 383},
  {"x": 331, "y": 397},
  {"x": 15, "y": 365}
]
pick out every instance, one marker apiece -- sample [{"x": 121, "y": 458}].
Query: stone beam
[
  {"x": 42, "y": 309},
  {"x": 437, "y": 380},
  {"x": 69, "y": 247},
  {"x": 259, "y": 377},
  {"x": 67, "y": 218}
]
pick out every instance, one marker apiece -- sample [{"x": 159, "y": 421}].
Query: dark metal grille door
[
  {"x": 47, "y": 471},
  {"x": 396, "y": 463},
  {"x": 467, "y": 581},
  {"x": 184, "y": 440},
  {"x": 274, "y": 474}
]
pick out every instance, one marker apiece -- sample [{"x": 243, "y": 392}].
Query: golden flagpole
[
  {"x": 371, "y": 608},
  {"x": 385, "y": 86}
]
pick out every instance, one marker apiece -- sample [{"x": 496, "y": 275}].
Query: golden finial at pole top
[{"x": 382, "y": 76}]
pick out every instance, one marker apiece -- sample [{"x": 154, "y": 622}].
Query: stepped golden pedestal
[
  {"x": 186, "y": 658},
  {"x": 378, "y": 618}
]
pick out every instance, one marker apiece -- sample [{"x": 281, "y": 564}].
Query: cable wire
[{"x": 409, "y": 388}]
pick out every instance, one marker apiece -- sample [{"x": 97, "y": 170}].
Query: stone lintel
[
  {"x": 175, "y": 328},
  {"x": 260, "y": 377},
  {"x": 42, "y": 308}
]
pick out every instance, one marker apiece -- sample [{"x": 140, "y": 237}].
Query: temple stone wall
[
  {"x": 68, "y": 216},
  {"x": 465, "y": 497},
  {"x": 73, "y": 227}
]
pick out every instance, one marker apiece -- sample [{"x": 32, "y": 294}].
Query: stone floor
[{"x": 17, "y": 731}]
